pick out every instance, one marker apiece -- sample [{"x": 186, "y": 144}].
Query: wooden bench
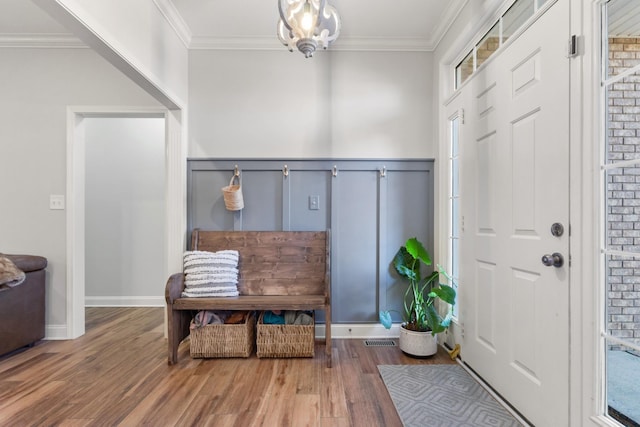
[{"x": 279, "y": 270}]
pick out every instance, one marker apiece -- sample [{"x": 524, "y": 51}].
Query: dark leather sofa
[{"x": 22, "y": 308}]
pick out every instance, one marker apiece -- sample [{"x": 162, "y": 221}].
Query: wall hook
[
  {"x": 335, "y": 170},
  {"x": 383, "y": 172},
  {"x": 236, "y": 171},
  {"x": 285, "y": 171}
]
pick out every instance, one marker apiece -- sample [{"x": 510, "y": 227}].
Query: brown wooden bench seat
[{"x": 278, "y": 270}]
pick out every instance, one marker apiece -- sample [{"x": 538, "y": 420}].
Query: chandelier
[{"x": 307, "y": 24}]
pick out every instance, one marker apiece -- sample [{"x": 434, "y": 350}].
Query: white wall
[
  {"x": 124, "y": 211},
  {"x": 135, "y": 37},
  {"x": 270, "y": 104},
  {"x": 37, "y": 85}
]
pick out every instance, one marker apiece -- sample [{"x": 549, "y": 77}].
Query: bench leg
[
  {"x": 327, "y": 335},
  {"x": 177, "y": 330}
]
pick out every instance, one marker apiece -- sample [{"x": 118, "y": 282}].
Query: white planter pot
[{"x": 418, "y": 343}]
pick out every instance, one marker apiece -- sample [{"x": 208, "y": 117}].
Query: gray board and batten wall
[{"x": 371, "y": 206}]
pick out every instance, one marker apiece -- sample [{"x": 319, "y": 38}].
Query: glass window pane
[
  {"x": 623, "y": 301},
  {"x": 621, "y": 52},
  {"x": 489, "y": 44},
  {"x": 623, "y": 31},
  {"x": 517, "y": 15},
  {"x": 454, "y": 264},
  {"x": 541, "y": 2},
  {"x": 623, "y": 119},
  {"x": 464, "y": 69},
  {"x": 623, "y": 210},
  {"x": 455, "y": 123},
  {"x": 454, "y": 204},
  {"x": 622, "y": 322},
  {"x": 623, "y": 391},
  {"x": 455, "y": 222},
  {"x": 455, "y": 273},
  {"x": 455, "y": 190}
]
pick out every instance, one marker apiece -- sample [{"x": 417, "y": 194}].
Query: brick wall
[{"x": 623, "y": 191}]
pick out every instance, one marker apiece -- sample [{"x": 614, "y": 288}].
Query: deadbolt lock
[{"x": 557, "y": 229}]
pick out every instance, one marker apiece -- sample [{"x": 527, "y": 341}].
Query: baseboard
[
  {"x": 353, "y": 330},
  {"x": 338, "y": 331},
  {"x": 130, "y": 301},
  {"x": 55, "y": 332}
]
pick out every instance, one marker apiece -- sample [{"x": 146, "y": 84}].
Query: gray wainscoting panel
[
  {"x": 354, "y": 260},
  {"x": 205, "y": 204},
  {"x": 371, "y": 206},
  {"x": 409, "y": 213},
  {"x": 262, "y": 192},
  {"x": 304, "y": 185}
]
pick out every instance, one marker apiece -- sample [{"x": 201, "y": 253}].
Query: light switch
[
  {"x": 56, "y": 202},
  {"x": 314, "y": 203}
]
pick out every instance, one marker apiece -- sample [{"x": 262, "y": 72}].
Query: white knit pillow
[{"x": 211, "y": 274}]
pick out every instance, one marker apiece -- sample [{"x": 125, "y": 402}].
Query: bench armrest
[{"x": 174, "y": 288}]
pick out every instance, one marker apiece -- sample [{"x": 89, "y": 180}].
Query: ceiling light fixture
[{"x": 305, "y": 24}]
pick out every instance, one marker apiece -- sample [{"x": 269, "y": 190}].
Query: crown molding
[
  {"x": 383, "y": 44},
  {"x": 190, "y": 41},
  {"x": 175, "y": 20},
  {"x": 447, "y": 19},
  {"x": 41, "y": 41}
]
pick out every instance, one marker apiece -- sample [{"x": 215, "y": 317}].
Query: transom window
[{"x": 504, "y": 28}]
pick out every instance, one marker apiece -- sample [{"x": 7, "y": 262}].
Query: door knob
[{"x": 553, "y": 260}]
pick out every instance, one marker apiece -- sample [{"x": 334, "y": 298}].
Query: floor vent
[{"x": 379, "y": 343}]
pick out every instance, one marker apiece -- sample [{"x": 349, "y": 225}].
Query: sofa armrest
[
  {"x": 174, "y": 288},
  {"x": 28, "y": 263}
]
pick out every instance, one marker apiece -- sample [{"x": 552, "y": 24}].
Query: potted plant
[{"x": 421, "y": 318}]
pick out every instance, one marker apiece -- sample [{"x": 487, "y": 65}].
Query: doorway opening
[
  {"x": 124, "y": 211},
  {"x": 174, "y": 196}
]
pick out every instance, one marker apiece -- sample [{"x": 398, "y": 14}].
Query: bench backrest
[{"x": 274, "y": 262}]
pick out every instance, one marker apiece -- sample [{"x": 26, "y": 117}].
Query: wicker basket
[
  {"x": 285, "y": 340},
  {"x": 232, "y": 195},
  {"x": 224, "y": 340}
]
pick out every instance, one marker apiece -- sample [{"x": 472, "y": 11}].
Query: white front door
[{"x": 515, "y": 186}]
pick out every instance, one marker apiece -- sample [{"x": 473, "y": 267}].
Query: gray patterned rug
[{"x": 442, "y": 395}]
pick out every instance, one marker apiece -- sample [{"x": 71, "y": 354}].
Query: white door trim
[{"x": 175, "y": 198}]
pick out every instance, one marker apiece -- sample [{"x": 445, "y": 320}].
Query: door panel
[
  {"x": 486, "y": 278},
  {"x": 516, "y": 187},
  {"x": 524, "y": 182},
  {"x": 487, "y": 185}
]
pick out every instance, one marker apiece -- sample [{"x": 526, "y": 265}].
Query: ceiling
[
  {"x": 201, "y": 24},
  {"x": 623, "y": 18},
  {"x": 251, "y": 24},
  {"x": 417, "y": 24}
]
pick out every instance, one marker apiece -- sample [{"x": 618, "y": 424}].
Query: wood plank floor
[{"x": 117, "y": 374}]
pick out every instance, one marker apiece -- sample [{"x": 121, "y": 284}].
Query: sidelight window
[
  {"x": 454, "y": 204},
  {"x": 620, "y": 167}
]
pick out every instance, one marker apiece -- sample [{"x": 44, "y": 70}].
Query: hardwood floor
[{"x": 117, "y": 374}]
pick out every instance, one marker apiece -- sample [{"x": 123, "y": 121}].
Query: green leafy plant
[{"x": 420, "y": 313}]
